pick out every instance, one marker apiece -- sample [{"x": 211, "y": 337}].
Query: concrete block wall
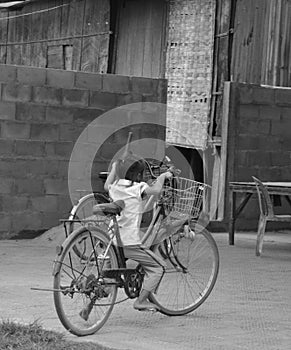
[
  {"x": 263, "y": 146},
  {"x": 42, "y": 113},
  {"x": 262, "y": 141}
]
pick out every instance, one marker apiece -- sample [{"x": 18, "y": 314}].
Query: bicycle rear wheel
[
  {"x": 191, "y": 272},
  {"x": 82, "y": 215},
  {"x": 82, "y": 212},
  {"x": 82, "y": 300}
]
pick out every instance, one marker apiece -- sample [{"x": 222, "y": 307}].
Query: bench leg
[
  {"x": 232, "y": 212},
  {"x": 260, "y": 235}
]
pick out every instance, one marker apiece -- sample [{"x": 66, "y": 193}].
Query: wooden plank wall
[
  {"x": 140, "y": 41},
  {"x": 261, "y": 45},
  {"x": 70, "y": 34},
  {"x": 3, "y": 36}
]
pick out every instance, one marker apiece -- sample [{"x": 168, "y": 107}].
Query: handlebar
[
  {"x": 176, "y": 172},
  {"x": 166, "y": 163},
  {"x": 103, "y": 175}
]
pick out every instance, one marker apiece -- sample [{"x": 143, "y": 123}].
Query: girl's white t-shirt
[{"x": 130, "y": 217}]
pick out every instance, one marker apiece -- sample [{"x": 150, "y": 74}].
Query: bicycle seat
[{"x": 112, "y": 208}]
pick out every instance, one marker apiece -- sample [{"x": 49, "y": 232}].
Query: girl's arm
[
  {"x": 157, "y": 186},
  {"x": 111, "y": 177}
]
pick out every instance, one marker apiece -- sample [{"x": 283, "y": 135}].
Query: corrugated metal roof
[
  {"x": 8, "y": 4},
  {"x": 9, "y": 1}
]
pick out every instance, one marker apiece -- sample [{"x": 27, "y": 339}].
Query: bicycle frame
[
  {"x": 115, "y": 233},
  {"x": 153, "y": 203},
  {"x": 156, "y": 219}
]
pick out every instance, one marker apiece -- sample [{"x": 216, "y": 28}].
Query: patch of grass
[{"x": 16, "y": 336}]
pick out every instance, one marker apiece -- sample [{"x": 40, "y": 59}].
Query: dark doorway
[{"x": 188, "y": 160}]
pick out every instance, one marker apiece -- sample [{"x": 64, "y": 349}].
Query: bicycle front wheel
[
  {"x": 82, "y": 300},
  {"x": 191, "y": 272}
]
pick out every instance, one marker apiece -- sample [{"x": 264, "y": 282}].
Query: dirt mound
[{"x": 55, "y": 235}]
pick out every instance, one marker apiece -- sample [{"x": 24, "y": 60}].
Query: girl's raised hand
[{"x": 168, "y": 175}]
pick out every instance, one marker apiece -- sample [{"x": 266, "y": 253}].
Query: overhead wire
[{"x": 34, "y": 12}]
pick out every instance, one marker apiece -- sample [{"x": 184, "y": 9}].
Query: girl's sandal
[{"x": 150, "y": 308}]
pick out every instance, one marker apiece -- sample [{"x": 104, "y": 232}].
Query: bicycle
[{"x": 86, "y": 283}]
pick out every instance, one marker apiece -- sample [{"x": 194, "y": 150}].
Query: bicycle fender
[
  {"x": 56, "y": 268},
  {"x": 76, "y": 205},
  {"x": 57, "y": 264},
  {"x": 62, "y": 247}
]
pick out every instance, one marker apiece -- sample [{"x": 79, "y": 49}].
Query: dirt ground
[{"x": 249, "y": 308}]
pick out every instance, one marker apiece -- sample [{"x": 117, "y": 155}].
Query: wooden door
[{"x": 139, "y": 38}]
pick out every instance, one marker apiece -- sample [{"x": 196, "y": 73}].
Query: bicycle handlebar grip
[{"x": 103, "y": 175}]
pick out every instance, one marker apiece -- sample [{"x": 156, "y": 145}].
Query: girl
[{"x": 124, "y": 182}]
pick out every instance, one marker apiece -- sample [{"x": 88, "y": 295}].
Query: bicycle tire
[
  {"x": 181, "y": 292},
  {"x": 76, "y": 288},
  {"x": 82, "y": 215},
  {"x": 83, "y": 211}
]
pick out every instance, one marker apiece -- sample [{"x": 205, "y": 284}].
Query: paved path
[{"x": 250, "y": 307}]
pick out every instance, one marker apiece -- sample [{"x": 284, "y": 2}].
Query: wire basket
[{"x": 183, "y": 199}]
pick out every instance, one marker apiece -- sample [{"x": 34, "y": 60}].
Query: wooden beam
[{"x": 221, "y": 69}]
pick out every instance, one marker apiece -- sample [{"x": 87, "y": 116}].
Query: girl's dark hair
[{"x": 131, "y": 168}]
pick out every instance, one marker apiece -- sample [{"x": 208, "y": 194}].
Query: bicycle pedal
[
  {"x": 84, "y": 315},
  {"x": 85, "y": 312}
]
